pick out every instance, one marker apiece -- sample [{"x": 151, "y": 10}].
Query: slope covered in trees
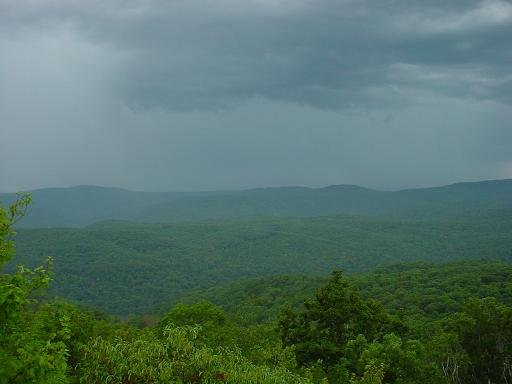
[
  {"x": 401, "y": 324},
  {"x": 429, "y": 290},
  {"x": 54, "y": 342},
  {"x": 124, "y": 267},
  {"x": 81, "y": 206}
]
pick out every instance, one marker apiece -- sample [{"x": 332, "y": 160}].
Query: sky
[{"x": 167, "y": 95}]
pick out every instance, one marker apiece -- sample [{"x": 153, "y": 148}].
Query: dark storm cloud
[
  {"x": 192, "y": 55},
  {"x": 216, "y": 94}
]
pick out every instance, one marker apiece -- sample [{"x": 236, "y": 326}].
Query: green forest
[
  {"x": 126, "y": 267},
  {"x": 255, "y": 192},
  {"x": 370, "y": 300}
]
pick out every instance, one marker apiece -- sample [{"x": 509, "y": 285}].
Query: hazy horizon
[
  {"x": 199, "y": 95},
  {"x": 254, "y": 187}
]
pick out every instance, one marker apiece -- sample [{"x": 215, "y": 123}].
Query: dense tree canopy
[
  {"x": 125, "y": 268},
  {"x": 401, "y": 324},
  {"x": 31, "y": 349}
]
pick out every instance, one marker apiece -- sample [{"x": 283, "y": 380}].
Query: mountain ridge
[
  {"x": 81, "y": 206},
  {"x": 329, "y": 186}
]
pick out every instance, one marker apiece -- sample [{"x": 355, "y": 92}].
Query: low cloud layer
[{"x": 205, "y": 94}]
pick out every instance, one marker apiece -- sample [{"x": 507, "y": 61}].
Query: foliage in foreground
[
  {"x": 58, "y": 343},
  {"x": 338, "y": 336},
  {"x": 30, "y": 351},
  {"x": 177, "y": 357}
]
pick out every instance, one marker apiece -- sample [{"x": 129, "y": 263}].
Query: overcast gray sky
[{"x": 230, "y": 94}]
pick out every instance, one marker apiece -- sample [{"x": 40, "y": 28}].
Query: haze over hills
[
  {"x": 212, "y": 280},
  {"x": 85, "y": 205},
  {"x": 126, "y": 267}
]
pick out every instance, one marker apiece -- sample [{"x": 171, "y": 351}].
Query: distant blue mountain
[{"x": 83, "y": 205}]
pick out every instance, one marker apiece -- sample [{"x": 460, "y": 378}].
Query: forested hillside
[
  {"x": 399, "y": 324},
  {"x": 124, "y": 267},
  {"x": 255, "y": 192},
  {"x": 81, "y": 206},
  {"x": 430, "y": 290}
]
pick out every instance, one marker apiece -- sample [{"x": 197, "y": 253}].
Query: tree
[
  {"x": 29, "y": 351},
  {"x": 401, "y": 361},
  {"x": 484, "y": 330},
  {"x": 335, "y": 316}
]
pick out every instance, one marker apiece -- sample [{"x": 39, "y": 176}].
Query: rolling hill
[
  {"x": 127, "y": 267},
  {"x": 432, "y": 290},
  {"x": 85, "y": 205}
]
